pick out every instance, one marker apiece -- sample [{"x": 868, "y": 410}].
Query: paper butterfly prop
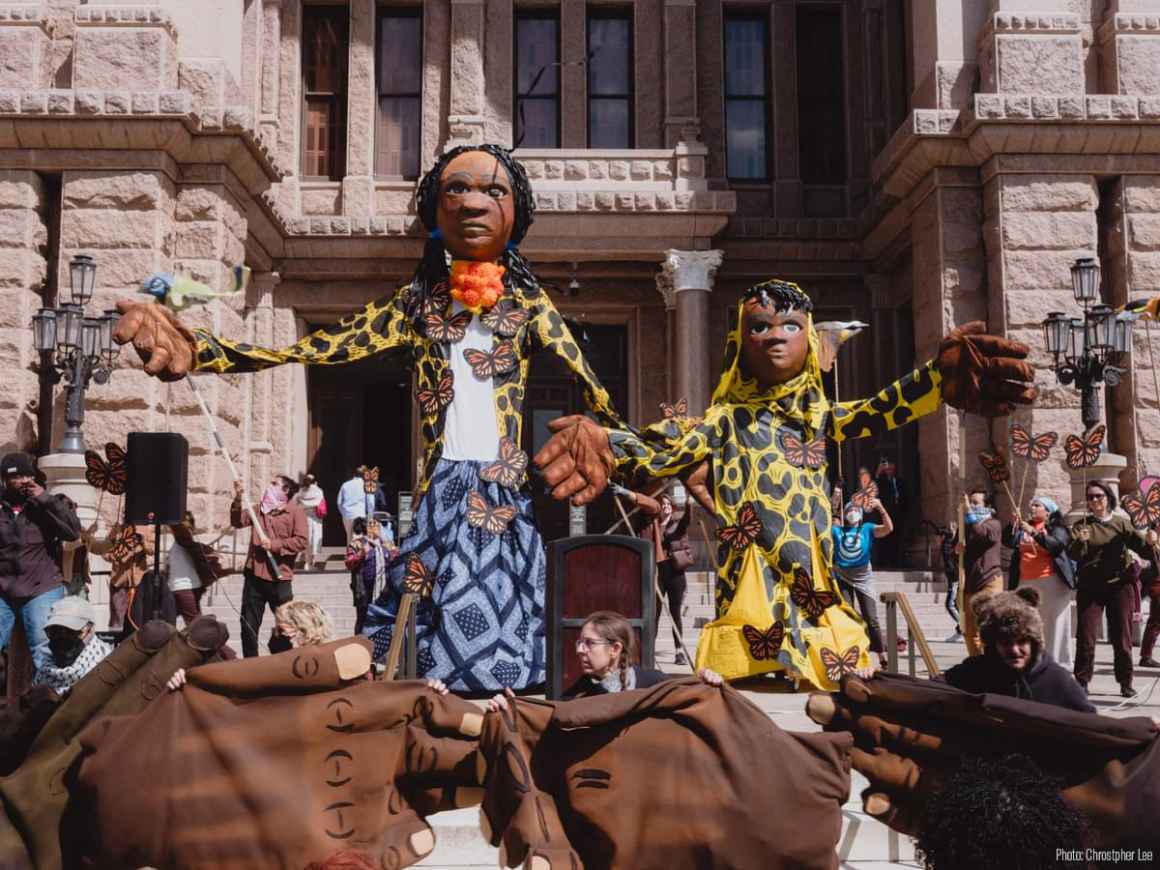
[
  {"x": 1035, "y": 448},
  {"x": 745, "y": 531},
  {"x": 764, "y": 645},
  {"x": 1083, "y": 452},
  {"x": 996, "y": 465},
  {"x": 812, "y": 601},
  {"x": 438, "y": 301},
  {"x": 509, "y": 469},
  {"x": 449, "y": 329},
  {"x": 839, "y": 665},
  {"x": 863, "y": 497},
  {"x": 433, "y": 401},
  {"x": 801, "y": 455},
  {"x": 1144, "y": 506},
  {"x": 679, "y": 408},
  {"x": 497, "y": 362},
  {"x": 481, "y": 515},
  {"x": 417, "y": 577},
  {"x": 127, "y": 544},
  {"x": 504, "y": 318},
  {"x": 111, "y": 476},
  {"x": 371, "y": 480}
]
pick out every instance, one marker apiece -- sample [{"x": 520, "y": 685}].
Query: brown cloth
[
  {"x": 275, "y": 763},
  {"x": 981, "y": 559},
  {"x": 35, "y": 797},
  {"x": 910, "y": 734},
  {"x": 286, "y": 529},
  {"x": 678, "y": 776}
]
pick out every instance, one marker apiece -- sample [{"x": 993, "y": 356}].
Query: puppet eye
[
  {"x": 497, "y": 191},
  {"x": 455, "y": 187},
  {"x": 791, "y": 328},
  {"x": 759, "y": 329}
]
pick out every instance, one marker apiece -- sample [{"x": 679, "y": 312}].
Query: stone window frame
[
  {"x": 338, "y": 12},
  {"x": 537, "y": 13},
  {"x": 614, "y": 13},
  {"x": 400, "y": 11},
  {"x": 758, "y": 15}
]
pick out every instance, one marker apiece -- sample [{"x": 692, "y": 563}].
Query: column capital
[
  {"x": 262, "y": 286},
  {"x": 665, "y": 288},
  {"x": 691, "y": 270}
]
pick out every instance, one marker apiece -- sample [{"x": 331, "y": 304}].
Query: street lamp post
[
  {"x": 76, "y": 348},
  {"x": 1087, "y": 351}
]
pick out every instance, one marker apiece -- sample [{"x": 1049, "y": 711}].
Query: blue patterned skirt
[{"x": 482, "y": 628}]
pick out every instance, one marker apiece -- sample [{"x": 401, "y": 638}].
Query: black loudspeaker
[{"x": 158, "y": 466}]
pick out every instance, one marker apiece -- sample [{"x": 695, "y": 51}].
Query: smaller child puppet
[{"x": 763, "y": 437}]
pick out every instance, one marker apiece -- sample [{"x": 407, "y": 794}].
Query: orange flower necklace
[{"x": 476, "y": 285}]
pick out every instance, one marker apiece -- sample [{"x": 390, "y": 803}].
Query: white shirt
[
  {"x": 182, "y": 571},
  {"x": 352, "y": 499},
  {"x": 471, "y": 427}
]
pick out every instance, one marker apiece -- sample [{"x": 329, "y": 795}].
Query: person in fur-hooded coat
[{"x": 1013, "y": 661}]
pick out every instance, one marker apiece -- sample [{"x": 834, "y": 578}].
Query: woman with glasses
[{"x": 1098, "y": 544}]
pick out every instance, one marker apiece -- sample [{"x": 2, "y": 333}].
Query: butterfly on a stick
[
  {"x": 485, "y": 364},
  {"x": 505, "y": 318},
  {"x": 745, "y": 531},
  {"x": 995, "y": 464},
  {"x": 800, "y": 454},
  {"x": 1143, "y": 507},
  {"x": 112, "y": 476},
  {"x": 432, "y": 401},
  {"x": 509, "y": 469},
  {"x": 449, "y": 329},
  {"x": 1035, "y": 448},
  {"x": 839, "y": 665},
  {"x": 417, "y": 577},
  {"x": 481, "y": 515},
  {"x": 813, "y": 601},
  {"x": 764, "y": 645},
  {"x": 371, "y": 480},
  {"x": 1083, "y": 452},
  {"x": 127, "y": 544},
  {"x": 679, "y": 408},
  {"x": 863, "y": 497}
]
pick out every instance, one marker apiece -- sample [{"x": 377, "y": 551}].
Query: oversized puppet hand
[
  {"x": 277, "y": 762},
  {"x": 911, "y": 736},
  {"x": 984, "y": 374},
  {"x": 699, "y": 486},
  {"x": 164, "y": 343},
  {"x": 577, "y": 460}
]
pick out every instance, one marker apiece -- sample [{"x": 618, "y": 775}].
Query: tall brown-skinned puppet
[
  {"x": 471, "y": 327},
  {"x": 762, "y": 441}
]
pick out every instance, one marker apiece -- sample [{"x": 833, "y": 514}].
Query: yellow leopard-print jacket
[{"x": 383, "y": 326}]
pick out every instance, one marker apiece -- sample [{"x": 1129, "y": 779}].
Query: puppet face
[
  {"x": 476, "y": 212},
  {"x": 775, "y": 343}
]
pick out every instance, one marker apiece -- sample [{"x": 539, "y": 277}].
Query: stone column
[
  {"x": 269, "y": 74},
  {"x": 1129, "y": 47},
  {"x": 358, "y": 186},
  {"x": 680, "y": 39},
  {"x": 465, "y": 120},
  {"x": 691, "y": 275},
  {"x": 258, "y": 426},
  {"x": 1031, "y": 47},
  {"x": 126, "y": 49},
  {"x": 498, "y": 70},
  {"x": 943, "y": 38},
  {"x": 665, "y": 288},
  {"x": 573, "y": 74}
]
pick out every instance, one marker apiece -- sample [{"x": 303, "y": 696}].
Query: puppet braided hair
[
  {"x": 432, "y": 268},
  {"x": 998, "y": 812},
  {"x": 782, "y": 295}
]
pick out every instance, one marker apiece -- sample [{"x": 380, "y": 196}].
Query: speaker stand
[{"x": 156, "y": 614}]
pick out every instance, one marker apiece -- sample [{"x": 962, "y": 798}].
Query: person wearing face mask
[
  {"x": 981, "y": 554},
  {"x": 368, "y": 555},
  {"x": 33, "y": 525},
  {"x": 1098, "y": 543},
  {"x": 74, "y": 645},
  {"x": 282, "y": 534},
  {"x": 853, "y": 542}
]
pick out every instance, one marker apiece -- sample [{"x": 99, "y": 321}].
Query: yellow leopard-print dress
[{"x": 778, "y": 608}]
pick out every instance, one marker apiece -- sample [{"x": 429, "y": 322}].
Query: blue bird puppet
[{"x": 178, "y": 291}]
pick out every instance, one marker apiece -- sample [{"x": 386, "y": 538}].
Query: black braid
[
  {"x": 783, "y": 295},
  {"x": 432, "y": 269}
]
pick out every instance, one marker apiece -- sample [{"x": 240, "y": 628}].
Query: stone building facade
[{"x": 912, "y": 164}]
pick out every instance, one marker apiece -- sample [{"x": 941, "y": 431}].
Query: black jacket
[
  {"x": 1045, "y": 681},
  {"x": 30, "y": 537},
  {"x": 586, "y": 687},
  {"x": 1054, "y": 539}
]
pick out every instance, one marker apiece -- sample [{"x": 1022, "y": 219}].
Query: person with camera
[{"x": 33, "y": 526}]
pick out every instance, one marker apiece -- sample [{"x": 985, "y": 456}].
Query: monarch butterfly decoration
[
  {"x": 504, "y": 319},
  {"x": 111, "y": 476},
  {"x": 481, "y": 515},
  {"x": 764, "y": 645},
  {"x": 745, "y": 531},
  {"x": 417, "y": 577},
  {"x": 679, "y": 408},
  {"x": 1082, "y": 452},
  {"x": 431, "y": 402},
  {"x": 995, "y": 464},
  {"x": 1031, "y": 449},
  {"x": 863, "y": 497},
  {"x": 447, "y": 329},
  {"x": 1143, "y": 506},
  {"x": 438, "y": 300},
  {"x": 810, "y": 599},
  {"x": 800, "y": 454},
  {"x": 487, "y": 364},
  {"x": 127, "y": 544},
  {"x": 837, "y": 666},
  {"x": 371, "y": 480},
  {"x": 509, "y": 469}
]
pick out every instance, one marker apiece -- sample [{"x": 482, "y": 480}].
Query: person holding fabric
[
  {"x": 312, "y": 500},
  {"x": 281, "y": 533},
  {"x": 853, "y": 545},
  {"x": 1098, "y": 543},
  {"x": 1041, "y": 561},
  {"x": 352, "y": 500},
  {"x": 471, "y": 328},
  {"x": 981, "y": 561},
  {"x": 763, "y": 442}
]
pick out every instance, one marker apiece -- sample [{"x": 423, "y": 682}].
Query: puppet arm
[
  {"x": 550, "y": 332},
  {"x": 915, "y": 395},
  {"x": 639, "y": 457},
  {"x": 380, "y": 326}
]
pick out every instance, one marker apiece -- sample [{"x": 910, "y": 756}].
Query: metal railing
[{"x": 896, "y": 601}]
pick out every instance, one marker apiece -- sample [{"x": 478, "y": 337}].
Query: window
[
  {"x": 324, "y": 59},
  {"x": 400, "y": 93},
  {"x": 537, "y": 79},
  {"x": 610, "y": 73},
  {"x": 821, "y": 95},
  {"x": 746, "y": 97}
]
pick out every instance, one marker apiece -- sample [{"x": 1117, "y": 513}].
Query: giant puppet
[
  {"x": 761, "y": 445},
  {"x": 471, "y": 317}
]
